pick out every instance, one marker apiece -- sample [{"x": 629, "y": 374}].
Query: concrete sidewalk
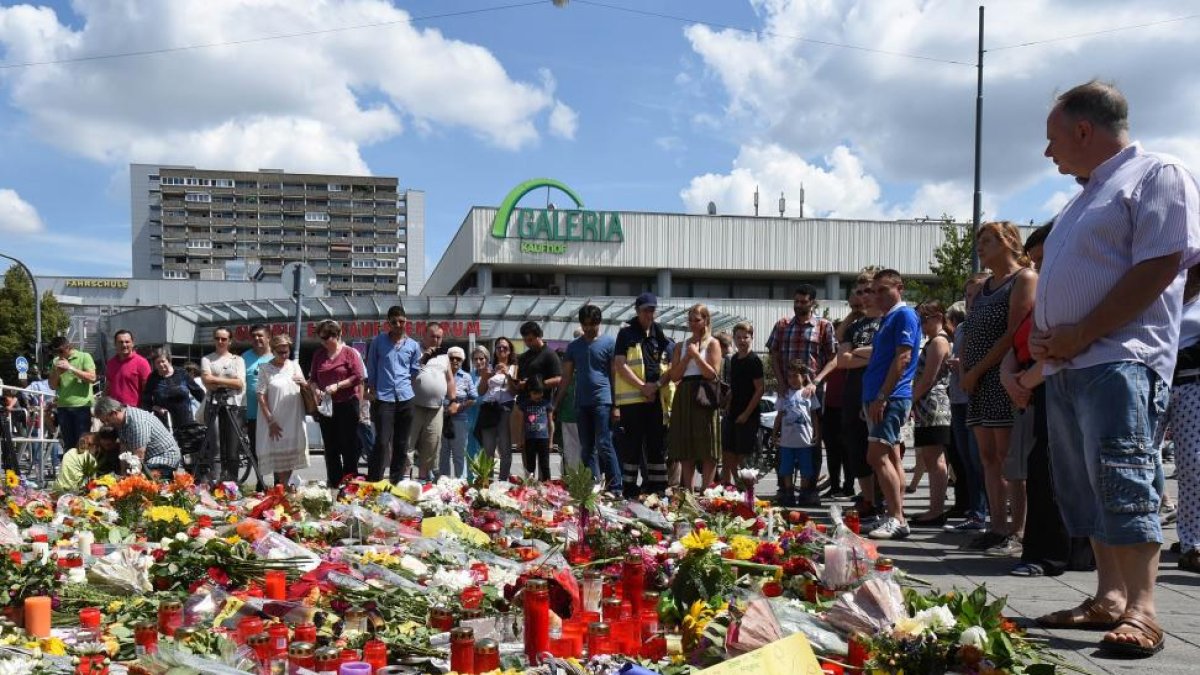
[{"x": 933, "y": 555}]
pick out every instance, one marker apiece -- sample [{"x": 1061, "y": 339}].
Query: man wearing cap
[
  {"x": 640, "y": 361},
  {"x": 453, "y": 457}
]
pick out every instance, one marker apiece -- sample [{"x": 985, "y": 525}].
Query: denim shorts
[
  {"x": 804, "y": 459},
  {"x": 889, "y": 430},
  {"x": 1105, "y": 463}
]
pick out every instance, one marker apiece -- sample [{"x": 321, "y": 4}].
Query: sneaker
[
  {"x": 808, "y": 498},
  {"x": 1009, "y": 547},
  {"x": 889, "y": 528},
  {"x": 983, "y": 542},
  {"x": 968, "y": 525}
]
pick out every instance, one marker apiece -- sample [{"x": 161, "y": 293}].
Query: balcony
[
  {"x": 363, "y": 271},
  {"x": 386, "y": 211},
  {"x": 172, "y": 203},
  {"x": 290, "y": 191},
  {"x": 174, "y": 250},
  {"x": 340, "y": 286},
  {"x": 224, "y": 253},
  {"x": 388, "y": 288},
  {"x": 223, "y": 236},
  {"x": 362, "y": 227},
  {"x": 368, "y": 287},
  {"x": 387, "y": 196},
  {"x": 293, "y": 239},
  {"x": 316, "y": 239},
  {"x": 294, "y": 255}
]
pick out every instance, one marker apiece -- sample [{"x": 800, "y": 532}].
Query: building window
[
  {"x": 390, "y": 264},
  {"x": 401, "y": 288},
  {"x": 199, "y": 243},
  {"x": 316, "y": 217},
  {"x": 223, "y": 182},
  {"x": 400, "y": 232},
  {"x": 402, "y": 260},
  {"x": 336, "y": 187},
  {"x": 586, "y": 285},
  {"x": 385, "y": 249},
  {"x": 153, "y": 178},
  {"x": 198, "y": 182},
  {"x": 175, "y": 274},
  {"x": 200, "y": 197},
  {"x": 622, "y": 286},
  {"x": 363, "y": 264},
  {"x": 172, "y": 180}
]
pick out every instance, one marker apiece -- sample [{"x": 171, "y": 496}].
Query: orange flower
[
  {"x": 131, "y": 485},
  {"x": 251, "y": 530},
  {"x": 182, "y": 481},
  {"x": 1008, "y": 626}
]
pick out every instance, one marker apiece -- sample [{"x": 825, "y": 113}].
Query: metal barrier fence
[{"x": 27, "y": 454}]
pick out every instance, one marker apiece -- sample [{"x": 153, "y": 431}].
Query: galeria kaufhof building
[{"x": 509, "y": 264}]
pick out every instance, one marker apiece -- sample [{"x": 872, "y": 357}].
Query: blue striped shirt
[{"x": 1134, "y": 207}]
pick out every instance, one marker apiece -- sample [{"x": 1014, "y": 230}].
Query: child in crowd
[
  {"x": 536, "y": 410},
  {"x": 798, "y": 435},
  {"x": 79, "y": 464}
]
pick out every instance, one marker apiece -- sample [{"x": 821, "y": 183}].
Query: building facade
[{"x": 361, "y": 234}]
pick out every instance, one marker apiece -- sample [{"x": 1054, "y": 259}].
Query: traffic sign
[
  {"x": 307, "y": 278},
  {"x": 22, "y": 364}
]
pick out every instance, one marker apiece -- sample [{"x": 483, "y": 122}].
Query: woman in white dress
[{"x": 282, "y": 440}]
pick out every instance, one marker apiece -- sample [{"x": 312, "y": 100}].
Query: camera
[{"x": 222, "y": 396}]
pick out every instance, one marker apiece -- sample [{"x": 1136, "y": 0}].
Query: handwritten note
[{"x": 790, "y": 656}]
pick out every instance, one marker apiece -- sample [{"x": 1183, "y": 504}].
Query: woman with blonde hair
[
  {"x": 1002, "y": 304},
  {"x": 283, "y": 440},
  {"x": 695, "y": 436}
]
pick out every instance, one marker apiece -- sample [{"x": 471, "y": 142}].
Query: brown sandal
[
  {"x": 1089, "y": 615},
  {"x": 1148, "y": 633}
]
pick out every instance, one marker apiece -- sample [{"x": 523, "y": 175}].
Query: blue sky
[{"x": 634, "y": 112}]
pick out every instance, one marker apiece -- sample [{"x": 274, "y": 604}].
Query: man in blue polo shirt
[
  {"x": 393, "y": 360},
  {"x": 887, "y": 396}
]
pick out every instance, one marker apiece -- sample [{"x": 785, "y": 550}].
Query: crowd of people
[{"x": 1043, "y": 396}]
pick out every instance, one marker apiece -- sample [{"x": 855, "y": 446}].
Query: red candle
[
  {"x": 471, "y": 597},
  {"x": 831, "y": 668},
  {"x": 89, "y": 617},
  {"x": 305, "y": 632},
  {"x": 858, "y": 655},
  {"x": 261, "y": 644},
  {"x": 598, "y": 639},
  {"x": 480, "y": 570},
  {"x": 145, "y": 637},
  {"x": 170, "y": 617},
  {"x": 462, "y": 650},
  {"x": 278, "y": 633},
  {"x": 250, "y": 625},
  {"x": 633, "y": 580},
  {"x": 487, "y": 656},
  {"x": 612, "y": 609},
  {"x": 276, "y": 585},
  {"x": 376, "y": 654},
  {"x": 655, "y": 646},
  {"x": 537, "y": 619},
  {"x": 349, "y": 655}
]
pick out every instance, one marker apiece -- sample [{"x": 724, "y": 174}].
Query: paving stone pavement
[{"x": 933, "y": 556}]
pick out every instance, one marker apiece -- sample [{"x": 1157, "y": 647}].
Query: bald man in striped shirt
[{"x": 1107, "y": 315}]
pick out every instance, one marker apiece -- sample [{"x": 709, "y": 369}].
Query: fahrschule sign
[{"x": 550, "y": 230}]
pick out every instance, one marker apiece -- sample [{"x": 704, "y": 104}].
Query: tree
[
  {"x": 17, "y": 326},
  {"x": 951, "y": 266}
]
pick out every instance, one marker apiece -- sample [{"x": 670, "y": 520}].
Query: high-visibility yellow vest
[{"x": 627, "y": 394}]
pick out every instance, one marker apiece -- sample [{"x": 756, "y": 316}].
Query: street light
[{"x": 37, "y": 312}]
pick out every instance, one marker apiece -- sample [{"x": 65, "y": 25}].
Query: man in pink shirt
[{"x": 126, "y": 372}]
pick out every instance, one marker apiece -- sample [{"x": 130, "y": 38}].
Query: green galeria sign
[{"x": 550, "y": 230}]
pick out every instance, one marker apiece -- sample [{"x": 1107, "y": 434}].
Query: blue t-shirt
[
  {"x": 899, "y": 328},
  {"x": 391, "y": 367},
  {"x": 593, "y": 367},
  {"x": 253, "y": 361},
  {"x": 464, "y": 390},
  {"x": 537, "y": 418}
]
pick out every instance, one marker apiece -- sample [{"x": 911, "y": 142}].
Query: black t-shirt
[
  {"x": 543, "y": 362},
  {"x": 742, "y": 374},
  {"x": 654, "y": 346},
  {"x": 861, "y": 333}
]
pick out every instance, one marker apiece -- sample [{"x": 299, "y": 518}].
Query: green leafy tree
[
  {"x": 17, "y": 326},
  {"x": 951, "y": 267}
]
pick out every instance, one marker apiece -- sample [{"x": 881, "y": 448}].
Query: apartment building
[{"x": 361, "y": 234}]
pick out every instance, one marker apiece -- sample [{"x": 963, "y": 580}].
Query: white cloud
[
  {"x": 910, "y": 122},
  {"x": 563, "y": 121},
  {"x": 1057, "y": 201},
  {"x": 670, "y": 144},
  {"x": 306, "y": 103},
  {"x": 837, "y": 187},
  {"x": 17, "y": 216}
]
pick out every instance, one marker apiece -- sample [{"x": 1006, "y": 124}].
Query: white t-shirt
[
  {"x": 429, "y": 386},
  {"x": 797, "y": 426},
  {"x": 229, "y": 365}
]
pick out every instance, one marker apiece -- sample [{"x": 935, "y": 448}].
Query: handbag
[
  {"x": 310, "y": 400},
  {"x": 489, "y": 415},
  {"x": 713, "y": 394}
]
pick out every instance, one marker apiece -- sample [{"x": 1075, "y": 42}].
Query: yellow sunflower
[
  {"x": 699, "y": 540},
  {"x": 11, "y": 479}
]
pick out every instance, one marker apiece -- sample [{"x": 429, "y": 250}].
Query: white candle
[
  {"x": 84, "y": 540},
  {"x": 42, "y": 550}
]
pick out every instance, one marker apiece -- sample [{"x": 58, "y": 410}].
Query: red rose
[
  {"x": 204, "y": 521},
  {"x": 158, "y": 554},
  {"x": 218, "y": 576},
  {"x": 772, "y": 589}
]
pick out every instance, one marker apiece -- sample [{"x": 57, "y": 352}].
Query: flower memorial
[{"x": 468, "y": 577}]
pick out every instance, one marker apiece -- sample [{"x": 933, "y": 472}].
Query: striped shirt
[
  {"x": 1134, "y": 207},
  {"x": 143, "y": 430}
]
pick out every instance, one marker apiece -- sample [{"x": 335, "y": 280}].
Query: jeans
[
  {"x": 393, "y": 420},
  {"x": 968, "y": 452},
  {"x": 425, "y": 437},
  {"x": 596, "y": 444},
  {"x": 495, "y": 440},
  {"x": 895, "y": 413},
  {"x": 1106, "y": 467},
  {"x": 73, "y": 423},
  {"x": 340, "y": 434},
  {"x": 452, "y": 460}
]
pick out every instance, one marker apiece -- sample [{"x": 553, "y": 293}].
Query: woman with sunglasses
[
  {"x": 282, "y": 440},
  {"x": 337, "y": 370},
  {"x": 453, "y": 458},
  {"x": 496, "y": 404}
]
